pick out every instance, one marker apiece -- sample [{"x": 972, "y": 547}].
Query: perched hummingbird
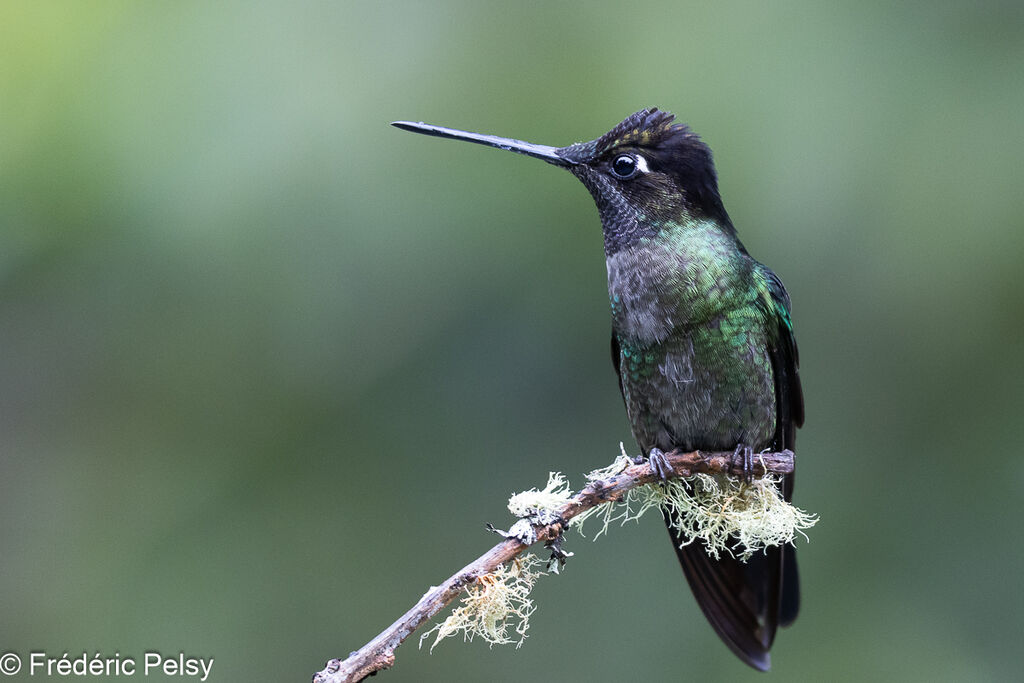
[{"x": 702, "y": 339}]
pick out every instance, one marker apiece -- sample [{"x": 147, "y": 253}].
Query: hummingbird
[{"x": 702, "y": 340}]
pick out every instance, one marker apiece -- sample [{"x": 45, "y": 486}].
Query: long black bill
[{"x": 548, "y": 154}]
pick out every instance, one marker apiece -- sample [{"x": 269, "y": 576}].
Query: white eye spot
[{"x": 641, "y": 164}]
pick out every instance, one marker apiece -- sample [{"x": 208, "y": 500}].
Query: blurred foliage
[{"x": 268, "y": 364}]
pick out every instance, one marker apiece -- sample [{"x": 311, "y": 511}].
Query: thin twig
[{"x": 379, "y": 653}]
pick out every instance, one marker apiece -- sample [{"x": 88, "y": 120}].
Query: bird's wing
[
  {"x": 789, "y": 409},
  {"x": 789, "y": 397},
  {"x": 617, "y": 361}
]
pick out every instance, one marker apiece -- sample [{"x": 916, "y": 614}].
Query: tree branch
[{"x": 379, "y": 653}]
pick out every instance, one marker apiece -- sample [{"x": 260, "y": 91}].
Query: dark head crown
[
  {"x": 669, "y": 147},
  {"x": 645, "y": 128}
]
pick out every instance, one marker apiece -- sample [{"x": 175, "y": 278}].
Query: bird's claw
[
  {"x": 660, "y": 464},
  {"x": 743, "y": 459}
]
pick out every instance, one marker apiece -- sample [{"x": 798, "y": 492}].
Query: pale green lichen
[
  {"x": 622, "y": 461},
  {"x": 722, "y": 512},
  {"x": 630, "y": 508},
  {"x": 550, "y": 498},
  {"x": 494, "y": 604},
  {"x": 731, "y": 516}
]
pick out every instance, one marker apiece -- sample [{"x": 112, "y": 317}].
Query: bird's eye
[{"x": 624, "y": 166}]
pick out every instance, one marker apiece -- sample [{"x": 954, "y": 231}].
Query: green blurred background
[{"x": 269, "y": 364}]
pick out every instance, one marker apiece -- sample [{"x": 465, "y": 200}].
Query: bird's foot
[
  {"x": 743, "y": 460},
  {"x": 658, "y": 462}
]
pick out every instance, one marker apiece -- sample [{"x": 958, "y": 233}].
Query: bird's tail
[{"x": 744, "y": 601}]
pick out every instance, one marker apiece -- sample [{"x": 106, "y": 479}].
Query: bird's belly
[{"x": 704, "y": 388}]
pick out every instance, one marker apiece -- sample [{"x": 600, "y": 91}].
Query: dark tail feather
[
  {"x": 743, "y": 600},
  {"x": 790, "y": 604}
]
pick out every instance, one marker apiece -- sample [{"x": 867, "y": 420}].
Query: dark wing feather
[
  {"x": 789, "y": 402},
  {"x": 789, "y": 397},
  {"x": 617, "y": 361}
]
